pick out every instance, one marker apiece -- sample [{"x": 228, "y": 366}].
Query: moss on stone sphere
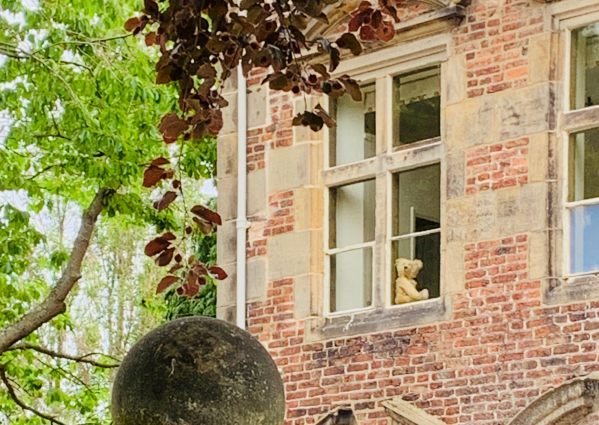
[{"x": 198, "y": 371}]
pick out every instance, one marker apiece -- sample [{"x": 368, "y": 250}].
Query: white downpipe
[{"x": 242, "y": 223}]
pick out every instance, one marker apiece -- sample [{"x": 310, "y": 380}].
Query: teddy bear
[{"x": 405, "y": 284}]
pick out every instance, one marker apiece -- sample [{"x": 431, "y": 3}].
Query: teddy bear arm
[{"x": 409, "y": 288}]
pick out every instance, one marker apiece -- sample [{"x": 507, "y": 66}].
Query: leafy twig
[{"x": 20, "y": 403}]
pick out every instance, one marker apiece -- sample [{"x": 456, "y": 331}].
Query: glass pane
[
  {"x": 416, "y": 106},
  {"x": 351, "y": 280},
  {"x": 584, "y": 165},
  {"x": 584, "y": 235},
  {"x": 353, "y": 139},
  {"x": 585, "y": 67},
  {"x": 427, "y": 249},
  {"x": 352, "y": 212},
  {"x": 417, "y": 200}
]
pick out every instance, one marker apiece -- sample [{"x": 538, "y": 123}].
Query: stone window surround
[
  {"x": 567, "y": 16},
  {"x": 380, "y": 67}
]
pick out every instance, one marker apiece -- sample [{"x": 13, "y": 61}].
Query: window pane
[
  {"x": 416, "y": 200},
  {"x": 351, "y": 280},
  {"x": 584, "y": 165},
  {"x": 585, "y": 67},
  {"x": 353, "y": 139},
  {"x": 427, "y": 249},
  {"x": 584, "y": 235},
  {"x": 352, "y": 214},
  {"x": 416, "y": 106}
]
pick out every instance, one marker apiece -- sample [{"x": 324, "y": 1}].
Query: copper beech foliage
[{"x": 201, "y": 43}]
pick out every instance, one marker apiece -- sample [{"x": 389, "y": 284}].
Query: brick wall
[
  {"x": 495, "y": 40},
  {"x": 500, "y": 350}
]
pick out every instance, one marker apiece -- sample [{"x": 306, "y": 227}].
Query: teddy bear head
[{"x": 408, "y": 268}]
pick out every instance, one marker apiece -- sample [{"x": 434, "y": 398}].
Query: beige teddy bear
[{"x": 405, "y": 284}]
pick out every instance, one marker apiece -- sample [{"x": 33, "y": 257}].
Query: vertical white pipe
[{"x": 241, "y": 223}]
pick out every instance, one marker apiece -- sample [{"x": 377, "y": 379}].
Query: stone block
[
  {"x": 292, "y": 254},
  {"x": 230, "y": 84},
  {"x": 455, "y": 225},
  {"x": 539, "y": 258},
  {"x": 308, "y": 208},
  {"x": 228, "y": 314},
  {"x": 257, "y": 107},
  {"x": 455, "y": 174},
  {"x": 452, "y": 276},
  {"x": 227, "y": 197},
  {"x": 226, "y": 242},
  {"x": 226, "y": 289},
  {"x": 521, "y": 209},
  {"x": 481, "y": 218},
  {"x": 230, "y": 114},
  {"x": 256, "y": 202},
  {"x": 293, "y": 166},
  {"x": 302, "y": 289},
  {"x": 539, "y": 58},
  {"x": 256, "y": 279},
  {"x": 525, "y": 111},
  {"x": 226, "y": 160},
  {"x": 472, "y": 122},
  {"x": 455, "y": 81},
  {"x": 538, "y": 152}
]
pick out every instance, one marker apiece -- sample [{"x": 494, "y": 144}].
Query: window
[
  {"x": 584, "y": 86},
  {"x": 583, "y": 201},
  {"x": 581, "y": 151},
  {"x": 354, "y": 136},
  {"x": 384, "y": 180},
  {"x": 351, "y": 242},
  {"x": 417, "y": 222},
  {"x": 417, "y": 106}
]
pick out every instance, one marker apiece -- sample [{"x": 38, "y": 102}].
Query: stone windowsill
[
  {"x": 572, "y": 289},
  {"x": 379, "y": 319}
]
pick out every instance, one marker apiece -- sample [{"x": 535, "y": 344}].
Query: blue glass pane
[{"x": 584, "y": 237}]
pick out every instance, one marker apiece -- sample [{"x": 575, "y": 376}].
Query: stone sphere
[{"x": 198, "y": 371}]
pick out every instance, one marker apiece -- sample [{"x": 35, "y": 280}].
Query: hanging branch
[
  {"x": 20, "y": 403},
  {"x": 55, "y": 354}
]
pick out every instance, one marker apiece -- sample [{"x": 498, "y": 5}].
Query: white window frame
[
  {"x": 568, "y": 16},
  {"x": 381, "y": 67}
]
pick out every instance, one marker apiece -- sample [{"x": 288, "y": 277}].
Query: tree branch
[
  {"x": 20, "y": 403},
  {"x": 56, "y": 354},
  {"x": 54, "y": 304}
]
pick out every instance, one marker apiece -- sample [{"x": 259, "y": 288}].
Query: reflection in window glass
[
  {"x": 352, "y": 209},
  {"x": 584, "y": 165},
  {"x": 416, "y": 223},
  {"x": 417, "y": 196},
  {"x": 584, "y": 235},
  {"x": 416, "y": 106},
  {"x": 351, "y": 280},
  {"x": 585, "y": 67},
  {"x": 353, "y": 139}
]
